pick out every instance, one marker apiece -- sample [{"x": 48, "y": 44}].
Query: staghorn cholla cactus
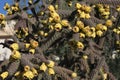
[{"x": 65, "y": 40}]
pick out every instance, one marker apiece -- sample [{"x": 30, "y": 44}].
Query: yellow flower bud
[
  {"x": 14, "y": 46},
  {"x": 80, "y": 45},
  {"x": 34, "y": 43},
  {"x": 51, "y": 64},
  {"x": 51, "y": 27},
  {"x": 43, "y": 67},
  {"x": 118, "y": 32},
  {"x": 32, "y": 51},
  {"x": 105, "y": 76},
  {"x": 65, "y": 22},
  {"x": 51, "y": 8},
  {"x": 50, "y": 19},
  {"x": 76, "y": 29},
  {"x": 109, "y": 23},
  {"x": 92, "y": 29},
  {"x": 26, "y": 68},
  {"x": 56, "y": 7},
  {"x": 74, "y": 75},
  {"x": 3, "y": 23},
  {"x": 85, "y": 57},
  {"x": 7, "y": 6},
  {"x": 93, "y": 35},
  {"x": 30, "y": 1},
  {"x": 41, "y": 33},
  {"x": 77, "y": 6},
  {"x": 99, "y": 33},
  {"x": 46, "y": 34},
  {"x": 17, "y": 73},
  {"x": 55, "y": 16},
  {"x": 16, "y": 55},
  {"x": 51, "y": 71},
  {"x": 28, "y": 74},
  {"x": 87, "y": 16},
  {"x": 4, "y": 75},
  {"x": 58, "y": 27}
]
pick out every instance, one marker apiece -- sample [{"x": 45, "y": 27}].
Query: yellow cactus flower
[
  {"x": 17, "y": 73},
  {"x": 82, "y": 15},
  {"x": 43, "y": 67},
  {"x": 51, "y": 64},
  {"x": 82, "y": 35},
  {"x": 34, "y": 71},
  {"x": 32, "y": 51},
  {"x": 98, "y": 27},
  {"x": 86, "y": 29},
  {"x": 4, "y": 75},
  {"x": 118, "y": 32},
  {"x": 92, "y": 29},
  {"x": 109, "y": 23},
  {"x": 26, "y": 68},
  {"x": 65, "y": 22},
  {"x": 7, "y": 6},
  {"x": 14, "y": 46},
  {"x": 55, "y": 17},
  {"x": 9, "y": 12},
  {"x": 51, "y": 71},
  {"x": 80, "y": 24},
  {"x": 51, "y": 8},
  {"x": 88, "y": 34},
  {"x": 115, "y": 30},
  {"x": 99, "y": 33},
  {"x": 58, "y": 26},
  {"x": 2, "y": 16},
  {"x": 16, "y": 55},
  {"x": 85, "y": 57},
  {"x": 118, "y": 8},
  {"x": 74, "y": 75},
  {"x": 87, "y": 9},
  {"x": 33, "y": 43},
  {"x": 3, "y": 23},
  {"x": 28, "y": 74},
  {"x": 77, "y": 6},
  {"x": 75, "y": 29},
  {"x": 80, "y": 45},
  {"x": 105, "y": 13},
  {"x": 101, "y": 10},
  {"x": 70, "y": 3},
  {"x": 15, "y": 8},
  {"x": 87, "y": 16},
  {"x": 104, "y": 28}
]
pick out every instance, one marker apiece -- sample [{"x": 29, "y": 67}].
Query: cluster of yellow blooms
[
  {"x": 104, "y": 10},
  {"x": 83, "y": 11},
  {"x": 2, "y": 19},
  {"x": 117, "y": 30},
  {"x": 11, "y": 9},
  {"x": 48, "y": 67}
]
